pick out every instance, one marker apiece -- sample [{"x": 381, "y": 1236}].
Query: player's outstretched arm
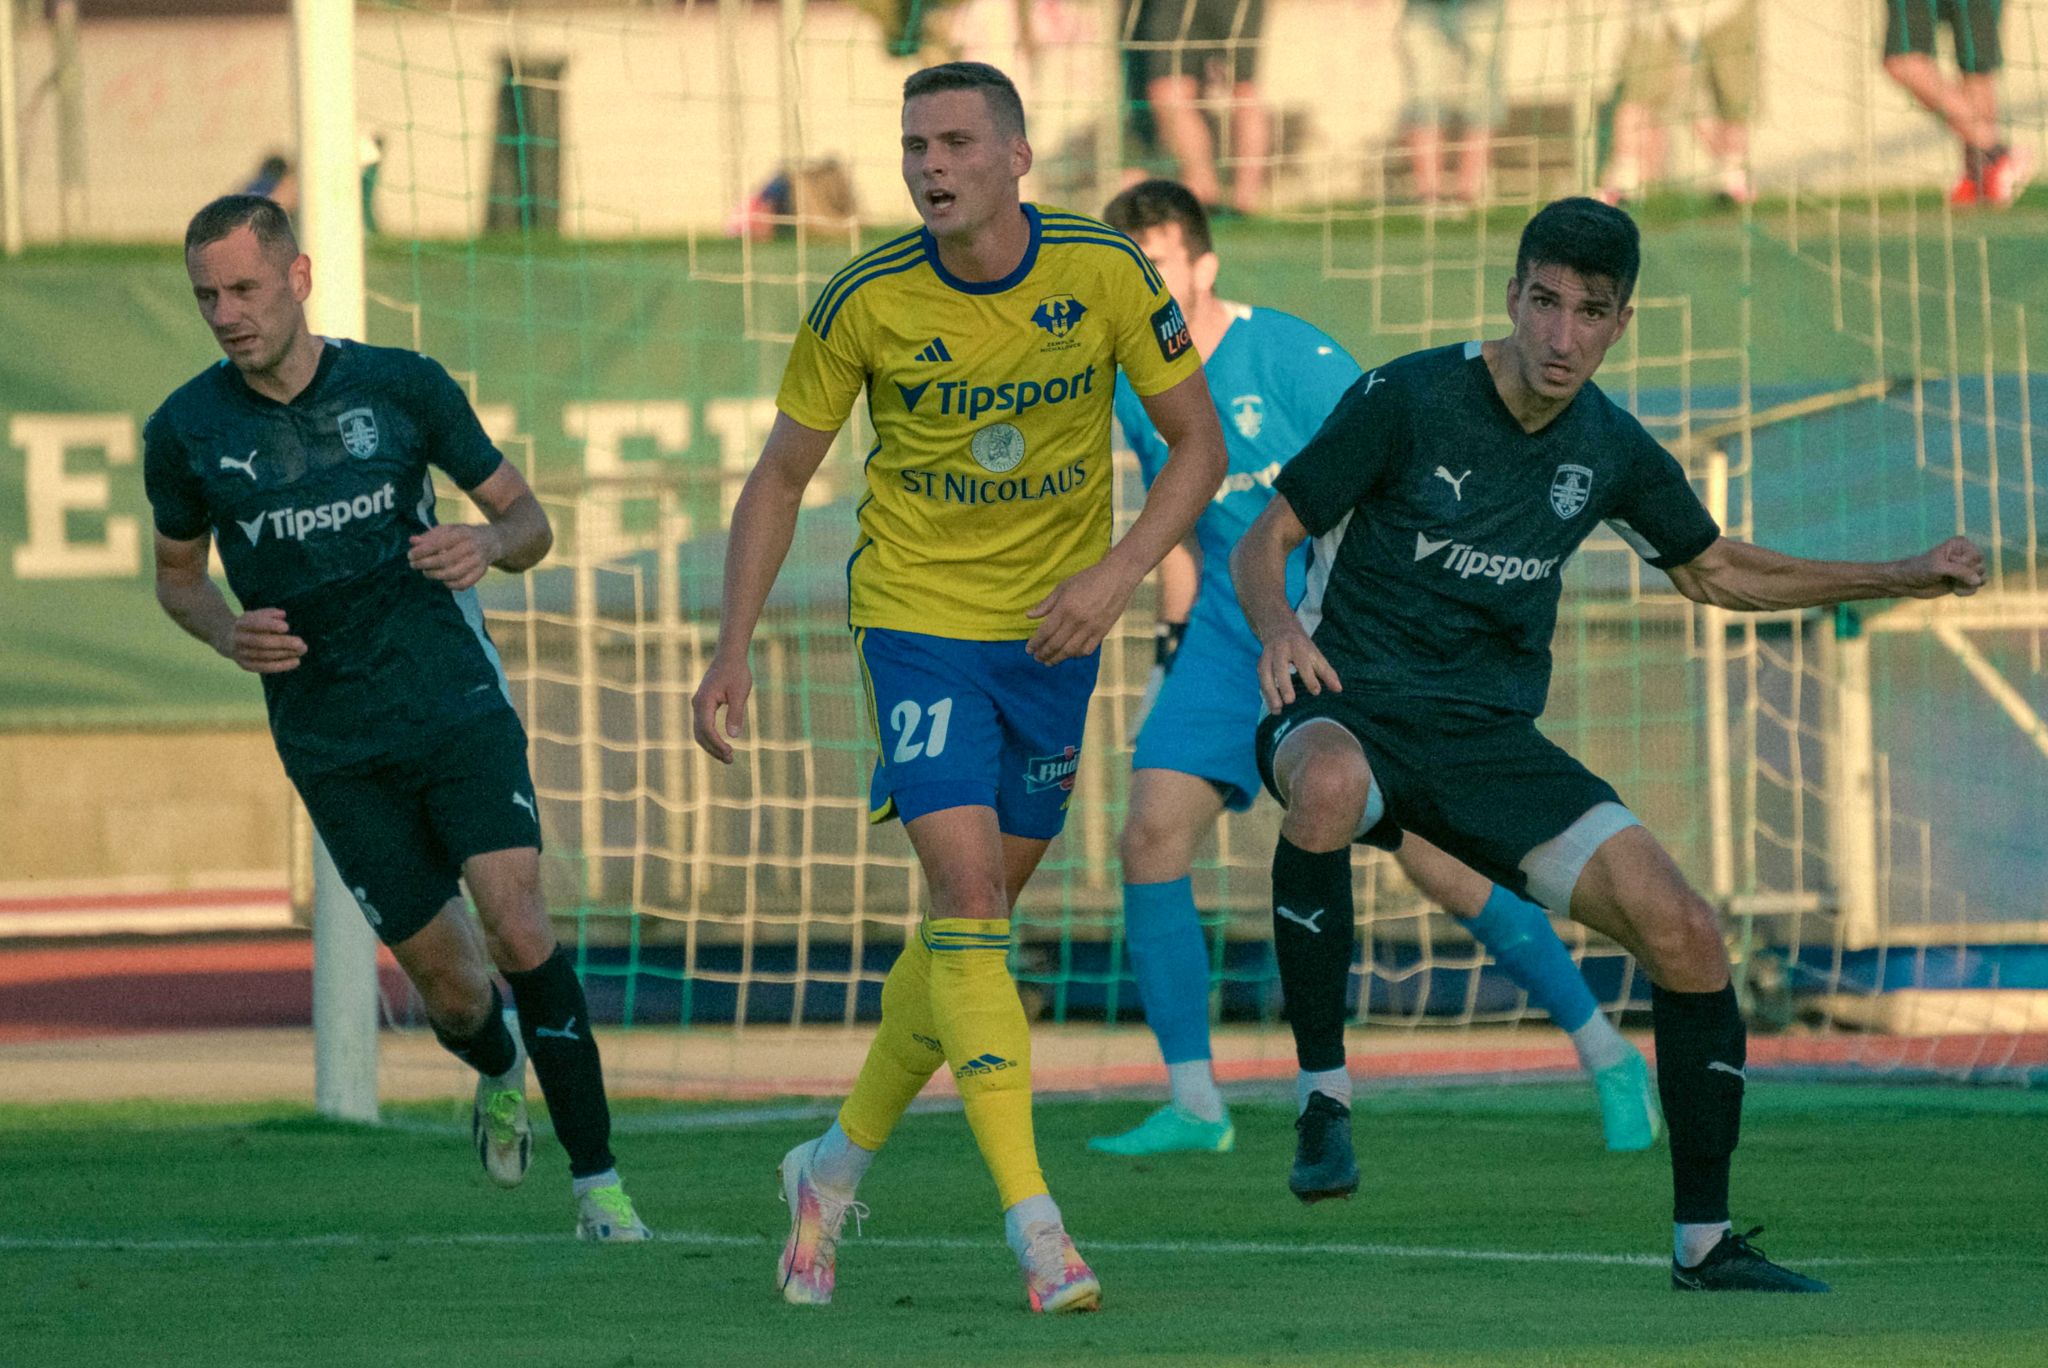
[
  {"x": 258, "y": 641},
  {"x": 763, "y": 524},
  {"x": 1747, "y": 578},
  {"x": 1083, "y": 608},
  {"x": 1258, "y": 568},
  {"x": 516, "y": 537}
]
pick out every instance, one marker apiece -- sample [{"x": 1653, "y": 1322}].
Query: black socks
[
  {"x": 1702, "y": 1047},
  {"x": 554, "y": 1020},
  {"x": 1313, "y": 940}
]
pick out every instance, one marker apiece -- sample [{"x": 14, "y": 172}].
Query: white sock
[
  {"x": 1691, "y": 1243},
  {"x": 580, "y": 1186},
  {"x": 1032, "y": 1211},
  {"x": 838, "y": 1164},
  {"x": 1194, "y": 1089},
  {"x": 1334, "y": 1084},
  {"x": 1600, "y": 1046}
]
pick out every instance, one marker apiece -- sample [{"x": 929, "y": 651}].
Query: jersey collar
[
  {"x": 986, "y": 287},
  {"x": 330, "y": 356}
]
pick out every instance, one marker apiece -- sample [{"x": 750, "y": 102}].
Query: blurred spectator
[
  {"x": 1670, "y": 44},
  {"x": 1451, "y": 64},
  {"x": 276, "y": 181},
  {"x": 1993, "y": 173},
  {"x": 1201, "y": 55},
  {"x": 370, "y": 164},
  {"x": 820, "y": 196}
]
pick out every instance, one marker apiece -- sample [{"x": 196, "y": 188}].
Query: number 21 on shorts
[{"x": 906, "y": 717}]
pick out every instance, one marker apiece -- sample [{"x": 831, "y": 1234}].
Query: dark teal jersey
[
  {"x": 313, "y": 504},
  {"x": 1441, "y": 527}
]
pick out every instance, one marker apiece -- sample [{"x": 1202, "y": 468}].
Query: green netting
[{"x": 608, "y": 220}]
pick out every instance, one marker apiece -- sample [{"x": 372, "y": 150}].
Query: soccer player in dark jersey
[
  {"x": 1443, "y": 494},
  {"x": 307, "y": 460},
  {"x": 1274, "y": 379}
]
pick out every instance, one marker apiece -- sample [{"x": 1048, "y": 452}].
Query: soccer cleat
[
  {"x": 1324, "y": 1165},
  {"x": 1736, "y": 1265},
  {"x": 1629, "y": 1114},
  {"x": 1170, "y": 1130},
  {"x": 1056, "y": 1278},
  {"x": 500, "y": 1130},
  {"x": 810, "y": 1255},
  {"x": 606, "y": 1214},
  {"x": 2005, "y": 179},
  {"x": 1965, "y": 193}
]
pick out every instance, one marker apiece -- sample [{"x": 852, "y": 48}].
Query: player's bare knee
[
  {"x": 1330, "y": 789},
  {"x": 1684, "y": 943},
  {"x": 522, "y": 945},
  {"x": 981, "y": 902},
  {"x": 1153, "y": 848},
  {"x": 457, "y": 995}
]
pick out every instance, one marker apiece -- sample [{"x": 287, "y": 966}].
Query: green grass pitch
[{"x": 1491, "y": 1229}]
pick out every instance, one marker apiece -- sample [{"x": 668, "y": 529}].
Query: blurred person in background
[
  {"x": 1672, "y": 46},
  {"x": 1451, "y": 58},
  {"x": 1994, "y": 172},
  {"x": 1203, "y": 56}
]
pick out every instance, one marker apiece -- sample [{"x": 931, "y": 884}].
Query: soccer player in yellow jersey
[{"x": 981, "y": 584}]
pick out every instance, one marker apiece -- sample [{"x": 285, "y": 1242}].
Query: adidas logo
[
  {"x": 985, "y": 1064},
  {"x": 935, "y": 350}
]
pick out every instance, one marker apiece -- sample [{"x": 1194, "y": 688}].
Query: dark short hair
[
  {"x": 1589, "y": 237},
  {"x": 1156, "y": 203},
  {"x": 260, "y": 214},
  {"x": 1004, "y": 104}
]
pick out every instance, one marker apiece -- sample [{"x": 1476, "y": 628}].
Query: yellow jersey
[{"x": 989, "y": 482}]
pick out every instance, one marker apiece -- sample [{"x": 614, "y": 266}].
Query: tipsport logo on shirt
[
  {"x": 295, "y": 523},
  {"x": 965, "y": 399}
]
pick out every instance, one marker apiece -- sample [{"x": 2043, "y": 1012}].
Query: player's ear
[
  {"x": 1020, "y": 158},
  {"x": 1621, "y": 317},
  {"x": 1514, "y": 297},
  {"x": 1206, "y": 267},
  {"x": 300, "y": 273}
]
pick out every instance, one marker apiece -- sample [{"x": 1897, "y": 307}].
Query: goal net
[{"x": 607, "y": 220}]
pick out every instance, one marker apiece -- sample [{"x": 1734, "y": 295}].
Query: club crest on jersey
[
  {"x": 1052, "y": 771},
  {"x": 1570, "y": 490},
  {"x": 1248, "y": 411},
  {"x": 1058, "y": 314},
  {"x": 359, "y": 433},
  {"x": 997, "y": 448}
]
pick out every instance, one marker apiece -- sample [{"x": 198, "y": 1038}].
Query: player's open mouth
[
  {"x": 1557, "y": 370},
  {"x": 938, "y": 199}
]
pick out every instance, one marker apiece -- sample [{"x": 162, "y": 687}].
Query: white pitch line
[{"x": 1178, "y": 1248}]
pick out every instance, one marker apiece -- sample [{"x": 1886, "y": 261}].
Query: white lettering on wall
[
  {"x": 605, "y": 427},
  {"x": 54, "y": 492}
]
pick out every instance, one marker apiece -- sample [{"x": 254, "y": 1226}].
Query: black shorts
[
  {"x": 1184, "y": 37},
  {"x": 1480, "y": 783},
  {"x": 1909, "y": 27},
  {"x": 399, "y": 829}
]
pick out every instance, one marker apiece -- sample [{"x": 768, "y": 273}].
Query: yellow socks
[
  {"x": 988, "y": 1044},
  {"x": 904, "y": 1055}
]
